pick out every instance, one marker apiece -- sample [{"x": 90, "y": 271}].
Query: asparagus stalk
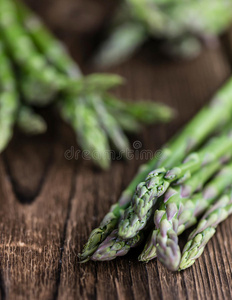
[
  {"x": 56, "y": 53},
  {"x": 147, "y": 114},
  {"x": 158, "y": 181},
  {"x": 205, "y": 230},
  {"x": 8, "y": 99},
  {"x": 127, "y": 122},
  {"x": 113, "y": 247},
  {"x": 175, "y": 198},
  {"x": 111, "y": 126},
  {"x": 122, "y": 43},
  {"x": 168, "y": 251},
  {"x": 53, "y": 49},
  {"x": 25, "y": 55},
  {"x": 173, "y": 22},
  {"x": 199, "y": 128},
  {"x": 148, "y": 13},
  {"x": 165, "y": 238},
  {"x": 30, "y": 122},
  {"x": 90, "y": 135}
]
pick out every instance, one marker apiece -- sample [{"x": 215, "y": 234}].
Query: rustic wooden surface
[{"x": 49, "y": 204}]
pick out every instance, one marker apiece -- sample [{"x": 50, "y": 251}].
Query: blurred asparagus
[
  {"x": 33, "y": 65},
  {"x": 182, "y": 26},
  {"x": 78, "y": 110},
  {"x": 205, "y": 230},
  {"x": 90, "y": 134},
  {"x": 54, "y": 51},
  {"x": 30, "y": 122},
  {"x": 146, "y": 114},
  {"x": 46, "y": 71},
  {"x": 200, "y": 128},
  {"x": 8, "y": 99},
  {"x": 111, "y": 126}
]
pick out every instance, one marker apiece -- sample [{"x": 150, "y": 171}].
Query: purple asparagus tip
[
  {"x": 170, "y": 192},
  {"x": 185, "y": 191}
]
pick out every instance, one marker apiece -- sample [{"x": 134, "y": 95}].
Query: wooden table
[{"x": 49, "y": 204}]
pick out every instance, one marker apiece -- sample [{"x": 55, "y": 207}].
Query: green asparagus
[
  {"x": 113, "y": 247},
  {"x": 158, "y": 181},
  {"x": 203, "y": 124},
  {"x": 90, "y": 135},
  {"x": 206, "y": 228},
  {"x": 165, "y": 241},
  {"x": 110, "y": 125},
  {"x": 168, "y": 251},
  {"x": 122, "y": 43},
  {"x": 175, "y": 198},
  {"x": 30, "y": 122},
  {"x": 146, "y": 114},
  {"x": 173, "y": 22},
  {"x": 54, "y": 51},
  {"x": 93, "y": 85},
  {"x": 25, "y": 54},
  {"x": 8, "y": 99}
]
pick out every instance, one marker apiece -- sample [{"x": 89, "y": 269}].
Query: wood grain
[{"x": 49, "y": 204}]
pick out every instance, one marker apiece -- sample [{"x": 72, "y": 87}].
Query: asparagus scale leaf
[{"x": 8, "y": 99}]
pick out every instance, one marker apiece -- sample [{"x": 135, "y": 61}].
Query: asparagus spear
[
  {"x": 53, "y": 49},
  {"x": 8, "y": 99},
  {"x": 56, "y": 53},
  {"x": 158, "y": 181},
  {"x": 127, "y": 122},
  {"x": 29, "y": 122},
  {"x": 174, "y": 197},
  {"x": 165, "y": 241},
  {"x": 90, "y": 135},
  {"x": 147, "y": 114},
  {"x": 205, "y": 230},
  {"x": 124, "y": 40},
  {"x": 173, "y": 22},
  {"x": 113, "y": 247},
  {"x": 202, "y": 125},
  {"x": 111, "y": 126},
  {"x": 168, "y": 251},
  {"x": 24, "y": 53}
]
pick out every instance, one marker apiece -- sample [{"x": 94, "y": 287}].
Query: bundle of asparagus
[
  {"x": 37, "y": 71},
  {"x": 182, "y": 27},
  {"x": 194, "y": 175}
]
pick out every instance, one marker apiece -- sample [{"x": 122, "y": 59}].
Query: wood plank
[
  {"x": 185, "y": 86},
  {"x": 32, "y": 234}
]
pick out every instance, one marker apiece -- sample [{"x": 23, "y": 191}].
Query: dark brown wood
[{"x": 49, "y": 204}]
